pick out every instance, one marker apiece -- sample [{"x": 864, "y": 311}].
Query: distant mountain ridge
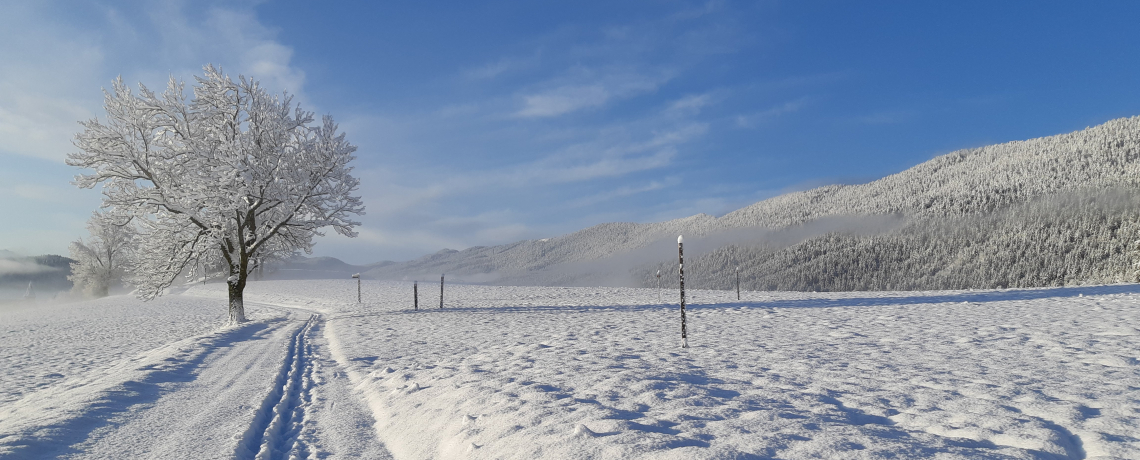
[
  {"x": 315, "y": 268},
  {"x": 962, "y": 184}
]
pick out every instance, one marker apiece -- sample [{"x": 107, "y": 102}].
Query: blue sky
[{"x": 483, "y": 123}]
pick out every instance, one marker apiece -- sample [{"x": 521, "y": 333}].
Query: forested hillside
[
  {"x": 1053, "y": 241},
  {"x": 47, "y": 274},
  {"x": 1057, "y": 210}
]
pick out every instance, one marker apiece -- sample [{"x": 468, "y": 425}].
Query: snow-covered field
[{"x": 510, "y": 372}]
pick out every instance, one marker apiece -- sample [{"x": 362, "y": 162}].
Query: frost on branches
[
  {"x": 104, "y": 258},
  {"x": 233, "y": 174}
]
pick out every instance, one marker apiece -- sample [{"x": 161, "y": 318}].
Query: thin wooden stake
[{"x": 658, "y": 286}]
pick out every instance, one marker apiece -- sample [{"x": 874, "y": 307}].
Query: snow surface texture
[
  {"x": 46, "y": 343},
  {"x": 512, "y": 372},
  {"x": 508, "y": 372}
]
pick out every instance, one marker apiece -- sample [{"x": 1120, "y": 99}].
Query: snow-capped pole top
[
  {"x": 680, "y": 239},
  {"x": 356, "y": 275}
]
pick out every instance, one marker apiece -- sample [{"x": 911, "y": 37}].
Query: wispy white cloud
[
  {"x": 588, "y": 90},
  {"x": 621, "y": 192},
  {"x": 255, "y": 50},
  {"x": 52, "y": 66},
  {"x": 501, "y": 66},
  {"x": 605, "y": 157},
  {"x": 562, "y": 100},
  {"x": 751, "y": 120},
  {"x": 691, "y": 104}
]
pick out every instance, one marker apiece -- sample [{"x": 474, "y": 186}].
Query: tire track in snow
[{"x": 278, "y": 430}]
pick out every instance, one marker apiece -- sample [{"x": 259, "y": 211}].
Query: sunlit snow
[{"x": 513, "y": 372}]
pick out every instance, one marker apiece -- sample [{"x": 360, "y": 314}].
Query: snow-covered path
[{"x": 263, "y": 390}]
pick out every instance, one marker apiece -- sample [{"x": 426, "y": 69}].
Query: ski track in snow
[
  {"x": 509, "y": 372},
  {"x": 278, "y": 431}
]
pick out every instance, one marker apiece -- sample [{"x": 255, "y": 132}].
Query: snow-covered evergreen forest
[{"x": 1052, "y": 211}]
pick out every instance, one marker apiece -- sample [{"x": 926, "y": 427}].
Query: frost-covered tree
[
  {"x": 233, "y": 174},
  {"x": 103, "y": 259}
]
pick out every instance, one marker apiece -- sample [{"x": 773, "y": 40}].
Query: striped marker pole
[
  {"x": 416, "y": 295},
  {"x": 681, "y": 273}
]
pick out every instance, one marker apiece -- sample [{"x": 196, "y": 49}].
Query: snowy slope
[{"x": 970, "y": 182}]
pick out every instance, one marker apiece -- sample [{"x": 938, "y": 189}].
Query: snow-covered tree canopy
[
  {"x": 105, "y": 257},
  {"x": 233, "y": 173}
]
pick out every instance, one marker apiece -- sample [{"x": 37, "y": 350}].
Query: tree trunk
[{"x": 237, "y": 307}]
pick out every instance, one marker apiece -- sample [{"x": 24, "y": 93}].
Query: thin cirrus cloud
[
  {"x": 595, "y": 92},
  {"x": 600, "y": 158},
  {"x": 691, "y": 104},
  {"x": 751, "y": 120},
  {"x": 622, "y": 192},
  {"x": 563, "y": 100},
  {"x": 502, "y": 66}
]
